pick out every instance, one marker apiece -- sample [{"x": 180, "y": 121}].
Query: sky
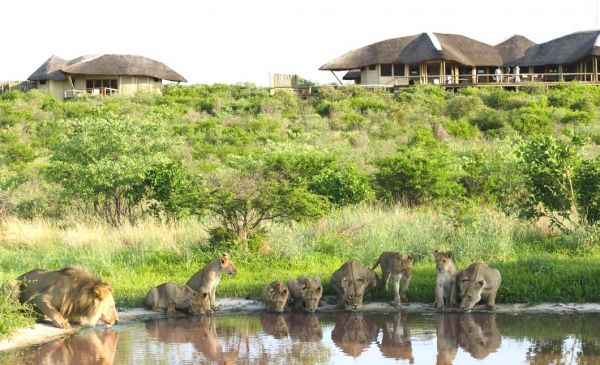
[{"x": 232, "y": 41}]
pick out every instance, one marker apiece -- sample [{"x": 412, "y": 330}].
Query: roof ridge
[{"x": 434, "y": 40}]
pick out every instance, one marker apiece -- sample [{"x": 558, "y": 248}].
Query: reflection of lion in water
[
  {"x": 201, "y": 332},
  {"x": 477, "y": 334},
  {"x": 68, "y": 295},
  {"x": 94, "y": 348},
  {"x": 353, "y": 333},
  {"x": 396, "y": 342}
]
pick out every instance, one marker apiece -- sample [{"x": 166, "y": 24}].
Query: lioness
[
  {"x": 170, "y": 297},
  {"x": 399, "y": 267},
  {"x": 305, "y": 293},
  {"x": 207, "y": 279},
  {"x": 445, "y": 274},
  {"x": 68, "y": 295},
  {"x": 477, "y": 281},
  {"x": 351, "y": 282},
  {"x": 275, "y": 296}
]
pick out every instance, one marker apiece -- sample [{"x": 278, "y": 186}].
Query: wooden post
[
  {"x": 474, "y": 75},
  {"x": 560, "y": 73},
  {"x": 337, "y": 78},
  {"x": 595, "y": 69},
  {"x": 407, "y": 72},
  {"x": 442, "y": 72}
]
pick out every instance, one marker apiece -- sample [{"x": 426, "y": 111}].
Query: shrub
[
  {"x": 461, "y": 106},
  {"x": 419, "y": 174},
  {"x": 100, "y": 160},
  {"x": 587, "y": 185},
  {"x": 549, "y": 166},
  {"x": 342, "y": 186}
]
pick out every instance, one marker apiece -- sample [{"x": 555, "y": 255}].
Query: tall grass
[
  {"x": 12, "y": 314},
  {"x": 364, "y": 232},
  {"x": 534, "y": 262}
]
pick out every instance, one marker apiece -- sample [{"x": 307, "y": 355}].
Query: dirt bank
[{"x": 42, "y": 333}]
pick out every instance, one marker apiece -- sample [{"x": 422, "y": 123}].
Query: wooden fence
[{"x": 17, "y": 86}]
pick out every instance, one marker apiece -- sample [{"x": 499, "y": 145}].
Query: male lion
[
  {"x": 445, "y": 273},
  {"x": 275, "y": 296},
  {"x": 170, "y": 297},
  {"x": 399, "y": 267},
  {"x": 477, "y": 281},
  {"x": 352, "y": 281},
  {"x": 68, "y": 295},
  {"x": 305, "y": 293},
  {"x": 207, "y": 279}
]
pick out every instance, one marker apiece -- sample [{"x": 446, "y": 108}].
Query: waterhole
[{"x": 343, "y": 338}]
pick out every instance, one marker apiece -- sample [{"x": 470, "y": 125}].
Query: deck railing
[
  {"x": 74, "y": 93},
  {"x": 493, "y": 79}
]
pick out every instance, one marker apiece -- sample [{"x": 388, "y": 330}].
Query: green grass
[{"x": 536, "y": 266}]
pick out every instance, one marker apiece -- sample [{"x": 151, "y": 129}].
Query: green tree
[
  {"x": 101, "y": 160},
  {"x": 587, "y": 184},
  {"x": 549, "y": 166},
  {"x": 245, "y": 201},
  {"x": 419, "y": 174}
]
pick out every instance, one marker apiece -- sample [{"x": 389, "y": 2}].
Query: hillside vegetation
[{"x": 147, "y": 189}]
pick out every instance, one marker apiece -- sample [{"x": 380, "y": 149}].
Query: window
[
  {"x": 104, "y": 87},
  {"x": 386, "y": 70},
  {"x": 373, "y": 67},
  {"x": 156, "y": 79},
  {"x": 42, "y": 82},
  {"x": 414, "y": 71},
  {"x": 399, "y": 69}
]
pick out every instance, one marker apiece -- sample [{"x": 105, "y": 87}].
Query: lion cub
[
  {"x": 275, "y": 296},
  {"x": 399, "y": 267},
  {"x": 445, "y": 273},
  {"x": 305, "y": 293},
  {"x": 169, "y": 297},
  {"x": 207, "y": 279}
]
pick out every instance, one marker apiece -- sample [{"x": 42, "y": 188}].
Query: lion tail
[{"x": 375, "y": 264}]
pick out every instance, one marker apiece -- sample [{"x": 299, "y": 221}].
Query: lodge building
[{"x": 453, "y": 60}]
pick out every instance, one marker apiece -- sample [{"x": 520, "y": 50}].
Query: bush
[
  {"x": 488, "y": 119},
  {"x": 587, "y": 185},
  {"x": 103, "y": 161},
  {"x": 342, "y": 186},
  {"x": 419, "y": 174},
  {"x": 461, "y": 106},
  {"x": 549, "y": 167}
]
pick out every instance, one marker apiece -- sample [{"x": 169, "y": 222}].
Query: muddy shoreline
[{"x": 42, "y": 333}]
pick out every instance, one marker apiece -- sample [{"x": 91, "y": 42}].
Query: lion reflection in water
[
  {"x": 201, "y": 332},
  {"x": 95, "y": 348},
  {"x": 396, "y": 342},
  {"x": 305, "y": 327},
  {"x": 477, "y": 334},
  {"x": 354, "y": 333}
]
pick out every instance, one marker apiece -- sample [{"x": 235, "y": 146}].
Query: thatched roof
[
  {"x": 377, "y": 53},
  {"x": 105, "y": 64},
  {"x": 517, "y": 50},
  {"x": 419, "y": 48},
  {"x": 570, "y": 48},
  {"x": 352, "y": 75},
  {"x": 467, "y": 51},
  {"x": 50, "y": 70},
  {"x": 514, "y": 48}
]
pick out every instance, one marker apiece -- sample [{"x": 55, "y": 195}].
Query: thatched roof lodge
[
  {"x": 455, "y": 60},
  {"x": 104, "y": 74}
]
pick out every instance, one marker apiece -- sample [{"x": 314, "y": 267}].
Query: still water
[{"x": 345, "y": 338}]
